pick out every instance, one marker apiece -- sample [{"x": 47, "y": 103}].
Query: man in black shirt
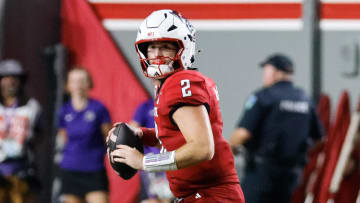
[{"x": 276, "y": 129}]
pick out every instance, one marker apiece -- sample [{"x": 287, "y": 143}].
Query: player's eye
[{"x": 164, "y": 48}]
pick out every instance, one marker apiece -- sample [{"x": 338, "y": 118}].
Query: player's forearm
[
  {"x": 187, "y": 155},
  {"x": 194, "y": 124},
  {"x": 193, "y": 153}
]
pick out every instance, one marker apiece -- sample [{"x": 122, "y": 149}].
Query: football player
[{"x": 196, "y": 158}]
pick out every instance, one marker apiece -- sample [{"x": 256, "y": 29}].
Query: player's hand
[
  {"x": 127, "y": 155},
  {"x": 137, "y": 131}
]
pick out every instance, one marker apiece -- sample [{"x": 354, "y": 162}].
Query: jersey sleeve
[
  {"x": 186, "y": 89},
  {"x": 149, "y": 137},
  {"x": 252, "y": 114}
]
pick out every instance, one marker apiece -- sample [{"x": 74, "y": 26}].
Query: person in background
[
  {"x": 154, "y": 186},
  {"x": 20, "y": 126},
  {"x": 276, "y": 129},
  {"x": 83, "y": 125},
  {"x": 188, "y": 125}
]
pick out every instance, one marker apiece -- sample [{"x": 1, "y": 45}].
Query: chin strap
[{"x": 160, "y": 162}]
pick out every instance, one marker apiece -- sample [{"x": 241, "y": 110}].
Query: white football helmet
[{"x": 166, "y": 25}]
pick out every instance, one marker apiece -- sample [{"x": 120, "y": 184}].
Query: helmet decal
[{"x": 173, "y": 27}]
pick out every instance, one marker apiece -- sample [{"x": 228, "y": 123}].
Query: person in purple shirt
[
  {"x": 83, "y": 125},
  {"x": 154, "y": 186}
]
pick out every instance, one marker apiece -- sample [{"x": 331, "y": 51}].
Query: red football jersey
[{"x": 190, "y": 87}]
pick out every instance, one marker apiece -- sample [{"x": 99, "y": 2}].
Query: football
[{"x": 124, "y": 135}]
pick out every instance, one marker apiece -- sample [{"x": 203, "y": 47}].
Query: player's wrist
[{"x": 159, "y": 162}]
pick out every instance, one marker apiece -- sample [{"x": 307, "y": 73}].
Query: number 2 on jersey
[{"x": 185, "y": 84}]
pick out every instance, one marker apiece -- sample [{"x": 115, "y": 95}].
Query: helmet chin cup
[{"x": 158, "y": 71}]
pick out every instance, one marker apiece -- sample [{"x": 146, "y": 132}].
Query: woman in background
[{"x": 83, "y": 125}]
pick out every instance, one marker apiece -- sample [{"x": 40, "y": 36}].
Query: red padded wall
[{"x": 116, "y": 85}]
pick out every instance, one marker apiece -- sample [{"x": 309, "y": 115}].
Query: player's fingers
[
  {"x": 119, "y": 152},
  {"x": 121, "y": 146},
  {"x": 123, "y": 152},
  {"x": 138, "y": 132},
  {"x": 120, "y": 159}
]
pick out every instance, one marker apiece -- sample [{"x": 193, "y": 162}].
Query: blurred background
[{"x": 233, "y": 37}]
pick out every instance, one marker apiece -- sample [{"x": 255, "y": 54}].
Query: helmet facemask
[
  {"x": 160, "y": 66},
  {"x": 165, "y": 26}
]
